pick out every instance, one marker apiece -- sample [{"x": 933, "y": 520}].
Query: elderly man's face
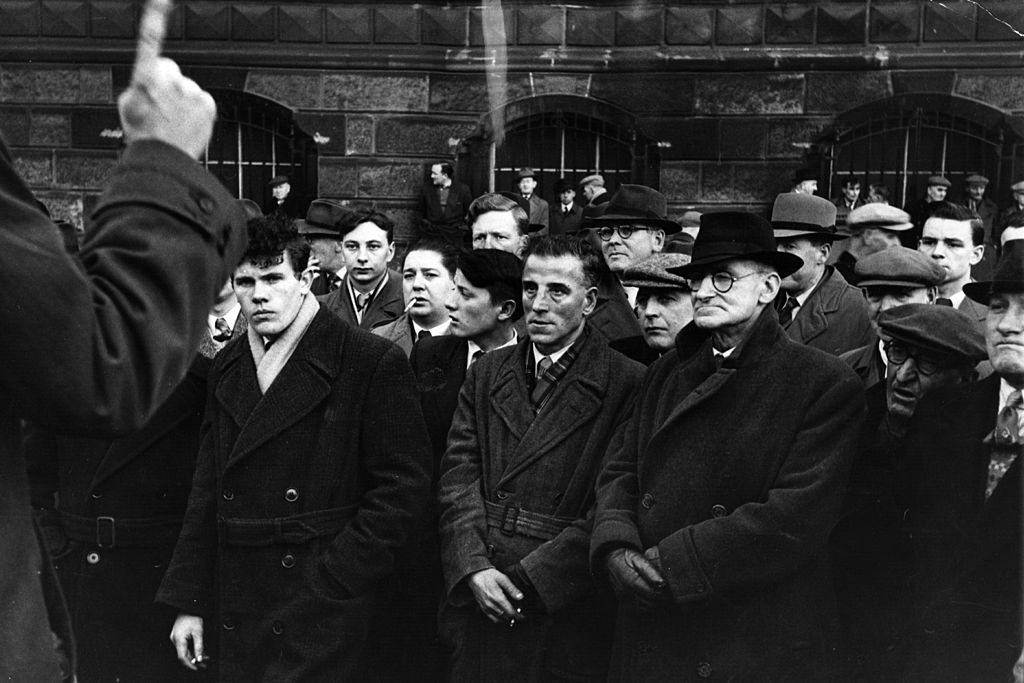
[
  {"x": 1004, "y": 336},
  {"x": 814, "y": 256},
  {"x": 588, "y": 192},
  {"x": 281, "y": 191},
  {"x": 527, "y": 185},
  {"x": 620, "y": 253},
  {"x": 976, "y": 191},
  {"x": 327, "y": 251},
  {"x": 877, "y": 239},
  {"x": 663, "y": 312},
  {"x": 556, "y": 300},
  {"x": 936, "y": 193},
  {"x": 906, "y": 384},
  {"x": 882, "y": 298},
  {"x": 806, "y": 187},
  {"x": 749, "y": 287},
  {"x": 498, "y": 230}
]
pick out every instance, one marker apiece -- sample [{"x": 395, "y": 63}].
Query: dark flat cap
[
  {"x": 876, "y": 215},
  {"x": 526, "y": 173},
  {"x": 804, "y": 215},
  {"x": 898, "y": 267},
  {"x": 941, "y": 330},
  {"x": 653, "y": 272},
  {"x": 976, "y": 179},
  {"x": 938, "y": 180},
  {"x": 278, "y": 180}
]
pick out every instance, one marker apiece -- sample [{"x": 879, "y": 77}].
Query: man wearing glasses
[{"x": 715, "y": 502}]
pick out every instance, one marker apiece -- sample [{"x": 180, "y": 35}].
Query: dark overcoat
[
  {"x": 562, "y": 223},
  {"x": 453, "y": 214},
  {"x": 866, "y": 362},
  {"x": 301, "y": 497},
  {"x": 387, "y": 305},
  {"x": 95, "y": 344},
  {"x": 502, "y": 454},
  {"x": 967, "y": 549},
  {"x": 736, "y": 475},
  {"x": 834, "y": 318}
]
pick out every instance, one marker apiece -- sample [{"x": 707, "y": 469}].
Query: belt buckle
[
  {"x": 106, "y": 527},
  {"x": 509, "y": 520}
]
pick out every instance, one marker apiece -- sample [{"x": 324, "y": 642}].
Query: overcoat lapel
[{"x": 510, "y": 393}]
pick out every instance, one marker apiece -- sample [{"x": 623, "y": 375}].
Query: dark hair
[
  {"x": 359, "y": 216},
  {"x": 448, "y": 252},
  {"x": 486, "y": 203},
  {"x": 851, "y": 180},
  {"x": 955, "y": 212},
  {"x": 499, "y": 272},
  {"x": 446, "y": 168},
  {"x": 271, "y": 235},
  {"x": 553, "y": 246}
]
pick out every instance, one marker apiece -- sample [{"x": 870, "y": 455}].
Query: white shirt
[
  {"x": 958, "y": 298},
  {"x": 885, "y": 359},
  {"x": 473, "y": 347},
  {"x": 373, "y": 295},
  {"x": 555, "y": 357},
  {"x": 436, "y": 331},
  {"x": 723, "y": 354},
  {"x": 231, "y": 317}
]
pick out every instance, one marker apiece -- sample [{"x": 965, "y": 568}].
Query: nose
[
  {"x": 259, "y": 292},
  {"x": 450, "y": 302},
  {"x": 1012, "y": 321},
  {"x": 907, "y": 371},
  {"x": 363, "y": 255},
  {"x": 705, "y": 290},
  {"x": 418, "y": 283}
]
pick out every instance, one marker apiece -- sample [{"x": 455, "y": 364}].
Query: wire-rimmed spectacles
[
  {"x": 625, "y": 231},
  {"x": 722, "y": 281}
]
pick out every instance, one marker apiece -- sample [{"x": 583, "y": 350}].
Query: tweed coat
[
  {"x": 500, "y": 452},
  {"x": 398, "y": 332},
  {"x": 967, "y": 550},
  {"x": 94, "y": 344},
  {"x": 383, "y": 308},
  {"x": 335, "y": 453},
  {"x": 975, "y": 311},
  {"x": 834, "y": 318},
  {"x": 561, "y": 224},
  {"x": 736, "y": 475}
]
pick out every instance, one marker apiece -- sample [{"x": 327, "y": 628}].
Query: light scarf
[{"x": 269, "y": 362}]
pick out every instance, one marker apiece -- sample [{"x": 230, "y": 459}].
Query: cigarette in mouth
[{"x": 409, "y": 305}]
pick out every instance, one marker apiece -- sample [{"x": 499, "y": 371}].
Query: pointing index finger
[{"x": 152, "y": 30}]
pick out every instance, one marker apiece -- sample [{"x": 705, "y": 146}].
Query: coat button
[
  {"x": 718, "y": 511},
  {"x": 228, "y": 624},
  {"x": 206, "y": 204},
  {"x": 277, "y": 628},
  {"x": 228, "y": 494},
  {"x": 647, "y": 501},
  {"x": 502, "y": 495},
  {"x": 288, "y": 561},
  {"x": 291, "y": 495},
  {"x": 92, "y": 558},
  {"x": 704, "y": 670},
  {"x": 96, "y": 495}
]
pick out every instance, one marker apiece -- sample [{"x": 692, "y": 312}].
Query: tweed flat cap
[
  {"x": 938, "y": 180},
  {"x": 526, "y": 173},
  {"x": 804, "y": 215},
  {"x": 1018, "y": 186},
  {"x": 898, "y": 267},
  {"x": 653, "y": 272},
  {"x": 975, "y": 179},
  {"x": 942, "y": 330},
  {"x": 594, "y": 179},
  {"x": 878, "y": 216}
]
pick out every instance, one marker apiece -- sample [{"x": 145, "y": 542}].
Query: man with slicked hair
[{"x": 498, "y": 222}]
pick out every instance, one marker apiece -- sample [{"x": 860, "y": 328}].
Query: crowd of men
[{"x": 586, "y": 449}]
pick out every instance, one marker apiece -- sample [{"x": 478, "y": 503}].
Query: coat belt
[
  {"x": 293, "y": 529},
  {"x": 110, "y": 532},
  {"x": 511, "y": 520}
]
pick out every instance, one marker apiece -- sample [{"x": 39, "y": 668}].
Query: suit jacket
[
  {"x": 538, "y": 211},
  {"x": 307, "y": 492},
  {"x": 501, "y": 453},
  {"x": 398, "y": 332},
  {"x": 843, "y": 210},
  {"x": 834, "y": 318},
  {"x": 94, "y": 344},
  {"x": 291, "y": 207},
  {"x": 453, "y": 213},
  {"x": 560, "y": 223},
  {"x": 967, "y": 550},
  {"x": 975, "y": 311},
  {"x": 738, "y": 502},
  {"x": 439, "y": 364},
  {"x": 383, "y": 308},
  {"x": 613, "y": 317}
]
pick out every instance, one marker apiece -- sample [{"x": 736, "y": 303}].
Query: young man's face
[
  {"x": 472, "y": 313},
  {"x": 948, "y": 242},
  {"x": 436, "y": 176},
  {"x": 566, "y": 196},
  {"x": 556, "y": 300},
  {"x": 271, "y": 294},
  {"x": 367, "y": 252},
  {"x": 851, "y": 191},
  {"x": 663, "y": 313}
]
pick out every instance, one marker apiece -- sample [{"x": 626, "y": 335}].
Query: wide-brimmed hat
[
  {"x": 525, "y": 173},
  {"x": 324, "y": 217},
  {"x": 654, "y": 272},
  {"x": 803, "y": 174},
  {"x": 636, "y": 204},
  {"x": 804, "y": 215},
  {"x": 1007, "y": 277},
  {"x": 730, "y": 235},
  {"x": 278, "y": 180}
]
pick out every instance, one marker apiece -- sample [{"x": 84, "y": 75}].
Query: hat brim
[
  {"x": 783, "y": 262},
  {"x": 982, "y": 291},
  {"x": 670, "y": 227},
  {"x": 822, "y": 235},
  {"x": 308, "y": 229},
  {"x": 903, "y": 284}
]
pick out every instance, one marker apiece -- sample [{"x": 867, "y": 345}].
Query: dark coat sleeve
[{"x": 120, "y": 324}]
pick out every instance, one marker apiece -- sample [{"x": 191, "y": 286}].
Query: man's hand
[
  {"x": 187, "y": 636},
  {"x": 633, "y": 576},
  {"x": 160, "y": 103},
  {"x": 494, "y": 593}
]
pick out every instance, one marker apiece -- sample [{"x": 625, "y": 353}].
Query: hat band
[
  {"x": 719, "y": 250},
  {"x": 627, "y": 212},
  {"x": 797, "y": 225}
]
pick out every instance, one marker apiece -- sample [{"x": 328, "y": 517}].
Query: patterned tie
[
  {"x": 1007, "y": 439},
  {"x": 223, "y": 330},
  {"x": 786, "y": 312},
  {"x": 424, "y": 334},
  {"x": 333, "y": 282},
  {"x": 543, "y": 381}
]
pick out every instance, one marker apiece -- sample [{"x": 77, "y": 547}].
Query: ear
[
  {"x": 770, "y": 289},
  {"x": 976, "y": 254},
  {"x": 590, "y": 301},
  {"x": 391, "y": 252},
  {"x": 658, "y": 237},
  {"x": 506, "y": 310},
  {"x": 825, "y": 248},
  {"x": 306, "y": 279}
]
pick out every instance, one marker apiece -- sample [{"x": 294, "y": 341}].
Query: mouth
[{"x": 655, "y": 330}]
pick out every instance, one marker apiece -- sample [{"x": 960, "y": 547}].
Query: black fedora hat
[
  {"x": 637, "y": 204},
  {"x": 729, "y": 235},
  {"x": 1008, "y": 275}
]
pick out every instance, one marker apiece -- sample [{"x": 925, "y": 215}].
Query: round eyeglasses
[
  {"x": 625, "y": 231},
  {"x": 722, "y": 282},
  {"x": 898, "y": 355}
]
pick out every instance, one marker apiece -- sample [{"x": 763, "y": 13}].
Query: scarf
[{"x": 270, "y": 362}]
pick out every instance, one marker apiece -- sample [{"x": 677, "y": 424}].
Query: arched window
[
  {"x": 900, "y": 141},
  {"x": 255, "y": 139}
]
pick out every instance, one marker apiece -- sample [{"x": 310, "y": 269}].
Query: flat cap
[
  {"x": 653, "y": 272},
  {"x": 898, "y": 267},
  {"x": 975, "y": 179},
  {"x": 941, "y": 330},
  {"x": 804, "y": 215},
  {"x": 526, "y": 173},
  {"x": 878, "y": 216},
  {"x": 594, "y": 179},
  {"x": 938, "y": 180},
  {"x": 1018, "y": 186},
  {"x": 277, "y": 180},
  {"x": 802, "y": 174}
]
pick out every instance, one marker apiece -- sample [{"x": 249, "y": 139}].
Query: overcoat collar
[
  {"x": 576, "y": 399},
  {"x": 811, "y": 319},
  {"x": 302, "y": 384}
]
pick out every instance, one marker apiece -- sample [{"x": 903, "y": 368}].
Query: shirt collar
[
  {"x": 436, "y": 331},
  {"x": 555, "y": 357},
  {"x": 231, "y": 317}
]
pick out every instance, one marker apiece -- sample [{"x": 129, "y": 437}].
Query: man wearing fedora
[
  {"x": 526, "y": 181},
  {"x": 712, "y": 516},
  {"x": 963, "y": 455},
  {"x": 872, "y": 228},
  {"x": 566, "y": 215},
  {"x": 816, "y": 306},
  {"x": 805, "y": 181},
  {"x": 322, "y": 230},
  {"x": 283, "y": 202}
]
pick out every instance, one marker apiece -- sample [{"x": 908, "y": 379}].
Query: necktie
[
  {"x": 362, "y": 300},
  {"x": 1007, "y": 439},
  {"x": 567, "y": 210},
  {"x": 223, "y": 330},
  {"x": 424, "y": 334},
  {"x": 333, "y": 282},
  {"x": 786, "y": 312},
  {"x": 540, "y": 388}
]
